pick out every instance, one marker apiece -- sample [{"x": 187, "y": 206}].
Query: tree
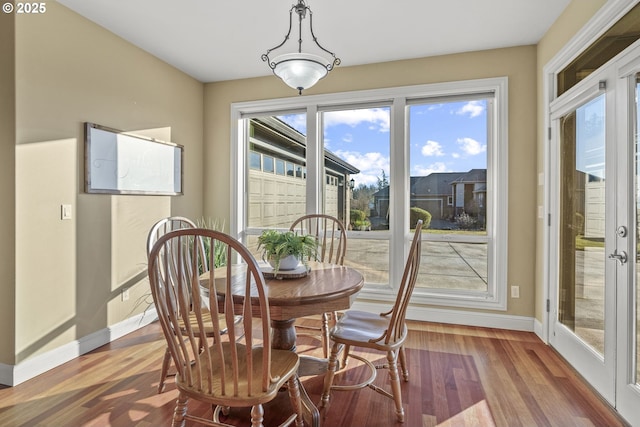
[
  {"x": 383, "y": 181},
  {"x": 362, "y": 196}
]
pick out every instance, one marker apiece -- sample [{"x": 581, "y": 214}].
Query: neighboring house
[
  {"x": 443, "y": 194},
  {"x": 277, "y": 176},
  {"x": 433, "y": 193},
  {"x": 470, "y": 193}
]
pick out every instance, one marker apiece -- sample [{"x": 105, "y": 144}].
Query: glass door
[
  {"x": 595, "y": 296},
  {"x": 628, "y": 306},
  {"x": 583, "y": 310}
]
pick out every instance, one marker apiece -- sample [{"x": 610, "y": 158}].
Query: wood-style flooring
[{"x": 459, "y": 376}]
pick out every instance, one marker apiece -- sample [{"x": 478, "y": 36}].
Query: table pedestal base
[
  {"x": 284, "y": 338},
  {"x": 284, "y": 334}
]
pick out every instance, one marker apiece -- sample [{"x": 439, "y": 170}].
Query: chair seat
[
  {"x": 206, "y": 317},
  {"x": 364, "y": 329},
  {"x": 284, "y": 363}
]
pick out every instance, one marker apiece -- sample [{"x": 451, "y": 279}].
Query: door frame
[{"x": 626, "y": 396}]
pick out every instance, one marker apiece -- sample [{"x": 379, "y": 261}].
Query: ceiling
[{"x": 216, "y": 40}]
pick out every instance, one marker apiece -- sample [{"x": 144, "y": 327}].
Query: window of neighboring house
[
  {"x": 267, "y": 164},
  {"x": 255, "y": 160},
  {"x": 439, "y": 149}
]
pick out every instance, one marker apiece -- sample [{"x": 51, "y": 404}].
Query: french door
[{"x": 595, "y": 208}]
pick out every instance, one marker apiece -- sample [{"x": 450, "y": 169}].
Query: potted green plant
[{"x": 284, "y": 250}]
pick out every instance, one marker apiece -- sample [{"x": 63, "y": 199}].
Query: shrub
[
  {"x": 466, "y": 221},
  {"x": 357, "y": 215},
  {"x": 362, "y": 225},
  {"x": 416, "y": 213}
]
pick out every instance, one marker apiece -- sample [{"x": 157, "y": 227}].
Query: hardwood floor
[{"x": 459, "y": 376}]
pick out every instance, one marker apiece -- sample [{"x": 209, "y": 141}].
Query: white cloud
[
  {"x": 296, "y": 121},
  {"x": 472, "y": 108},
  {"x": 432, "y": 148},
  {"x": 471, "y": 147},
  {"x": 347, "y": 137},
  {"x": 377, "y": 117},
  {"x": 420, "y": 170},
  {"x": 371, "y": 165}
]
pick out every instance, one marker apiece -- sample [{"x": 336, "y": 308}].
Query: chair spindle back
[
  {"x": 330, "y": 234},
  {"x": 180, "y": 290},
  {"x": 397, "y": 327}
]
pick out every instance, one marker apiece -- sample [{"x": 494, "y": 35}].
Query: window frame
[{"x": 398, "y": 98}]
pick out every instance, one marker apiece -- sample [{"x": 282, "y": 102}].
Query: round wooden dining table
[{"x": 323, "y": 289}]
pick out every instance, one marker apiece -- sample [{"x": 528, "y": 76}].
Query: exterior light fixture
[
  {"x": 352, "y": 183},
  {"x": 297, "y": 69}
]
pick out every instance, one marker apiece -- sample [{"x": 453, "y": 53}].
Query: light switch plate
[{"x": 66, "y": 212}]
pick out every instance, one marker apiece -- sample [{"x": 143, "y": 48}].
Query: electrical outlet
[
  {"x": 515, "y": 292},
  {"x": 125, "y": 295}
]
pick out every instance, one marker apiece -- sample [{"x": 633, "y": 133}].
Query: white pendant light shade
[{"x": 300, "y": 70}]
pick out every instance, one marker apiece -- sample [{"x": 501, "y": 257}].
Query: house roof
[
  {"x": 474, "y": 175},
  {"x": 436, "y": 183},
  {"x": 439, "y": 184},
  {"x": 284, "y": 135}
]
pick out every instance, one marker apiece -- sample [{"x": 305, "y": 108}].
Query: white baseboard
[
  {"x": 12, "y": 375},
  {"x": 537, "y": 328},
  {"x": 457, "y": 317},
  {"x": 15, "y": 374}
]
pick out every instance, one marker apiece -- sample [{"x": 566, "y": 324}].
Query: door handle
[{"x": 620, "y": 257}]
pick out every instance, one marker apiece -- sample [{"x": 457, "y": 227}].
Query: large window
[
  {"x": 448, "y": 186},
  {"x": 380, "y": 160}
]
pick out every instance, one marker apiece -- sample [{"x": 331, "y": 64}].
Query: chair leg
[
  {"x": 328, "y": 377},
  {"x": 395, "y": 385},
  {"x": 180, "y": 411},
  {"x": 403, "y": 364},
  {"x": 257, "y": 416},
  {"x": 325, "y": 335},
  {"x": 166, "y": 361},
  {"x": 345, "y": 356},
  {"x": 296, "y": 400}
]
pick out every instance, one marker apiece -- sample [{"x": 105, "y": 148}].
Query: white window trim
[{"x": 397, "y": 98}]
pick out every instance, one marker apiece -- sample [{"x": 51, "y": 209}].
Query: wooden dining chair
[
  {"x": 385, "y": 332},
  {"x": 238, "y": 367},
  {"x": 331, "y": 236},
  {"x": 159, "y": 229}
]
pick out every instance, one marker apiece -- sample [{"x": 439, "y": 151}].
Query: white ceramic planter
[{"x": 289, "y": 262}]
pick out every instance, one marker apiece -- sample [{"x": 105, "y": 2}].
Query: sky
[{"x": 443, "y": 137}]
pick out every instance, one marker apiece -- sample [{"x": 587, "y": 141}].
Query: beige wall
[
  {"x": 7, "y": 186},
  {"x": 70, "y": 274},
  {"x": 574, "y": 17},
  {"x": 518, "y": 64},
  {"x": 64, "y": 70}
]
